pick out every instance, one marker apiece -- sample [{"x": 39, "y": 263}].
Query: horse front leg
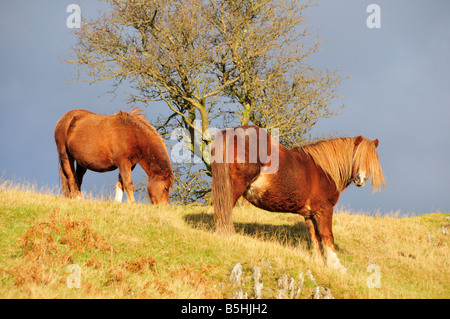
[
  {"x": 119, "y": 187},
  {"x": 320, "y": 230},
  {"x": 119, "y": 190},
  {"x": 324, "y": 228},
  {"x": 127, "y": 182}
]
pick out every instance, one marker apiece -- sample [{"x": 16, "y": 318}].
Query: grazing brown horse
[
  {"x": 102, "y": 143},
  {"x": 248, "y": 162}
]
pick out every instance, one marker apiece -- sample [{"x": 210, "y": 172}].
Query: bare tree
[
  {"x": 267, "y": 46},
  {"x": 211, "y": 61},
  {"x": 163, "y": 48}
]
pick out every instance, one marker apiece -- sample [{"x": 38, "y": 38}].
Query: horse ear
[
  {"x": 358, "y": 140},
  {"x": 376, "y": 142}
]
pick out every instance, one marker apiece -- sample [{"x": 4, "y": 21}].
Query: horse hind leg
[
  {"x": 80, "y": 171},
  {"x": 64, "y": 181},
  {"x": 68, "y": 179},
  {"x": 315, "y": 239}
]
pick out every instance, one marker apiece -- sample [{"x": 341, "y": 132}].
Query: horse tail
[
  {"x": 223, "y": 195},
  {"x": 61, "y": 129}
]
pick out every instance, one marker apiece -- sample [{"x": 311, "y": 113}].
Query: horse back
[
  {"x": 92, "y": 139},
  {"x": 62, "y": 127},
  {"x": 296, "y": 185}
]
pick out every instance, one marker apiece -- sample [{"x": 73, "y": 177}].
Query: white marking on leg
[
  {"x": 332, "y": 260},
  {"x": 119, "y": 193}
]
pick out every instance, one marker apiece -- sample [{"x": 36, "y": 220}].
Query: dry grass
[{"x": 148, "y": 251}]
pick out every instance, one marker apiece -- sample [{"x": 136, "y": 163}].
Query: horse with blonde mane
[
  {"x": 103, "y": 143},
  {"x": 307, "y": 180}
]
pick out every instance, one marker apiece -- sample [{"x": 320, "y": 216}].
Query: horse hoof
[
  {"x": 342, "y": 270},
  {"x": 339, "y": 268}
]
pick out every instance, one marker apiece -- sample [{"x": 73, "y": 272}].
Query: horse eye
[{"x": 166, "y": 189}]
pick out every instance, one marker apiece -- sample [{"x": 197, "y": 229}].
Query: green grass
[{"x": 148, "y": 251}]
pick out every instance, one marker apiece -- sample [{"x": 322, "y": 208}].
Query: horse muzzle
[{"x": 360, "y": 180}]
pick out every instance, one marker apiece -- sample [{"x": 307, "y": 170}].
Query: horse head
[
  {"x": 158, "y": 188},
  {"x": 366, "y": 163}
]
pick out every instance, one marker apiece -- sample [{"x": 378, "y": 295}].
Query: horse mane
[
  {"x": 338, "y": 159},
  {"x": 135, "y": 117}
]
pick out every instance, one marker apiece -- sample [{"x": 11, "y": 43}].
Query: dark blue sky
[{"x": 398, "y": 91}]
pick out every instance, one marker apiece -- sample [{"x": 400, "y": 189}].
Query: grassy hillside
[{"x": 146, "y": 251}]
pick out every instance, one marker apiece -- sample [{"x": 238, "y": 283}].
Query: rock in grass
[
  {"x": 236, "y": 275},
  {"x": 258, "y": 285}
]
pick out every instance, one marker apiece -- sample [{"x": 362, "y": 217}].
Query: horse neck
[
  {"x": 334, "y": 157},
  {"x": 155, "y": 161}
]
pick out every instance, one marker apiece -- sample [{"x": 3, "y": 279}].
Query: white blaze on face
[{"x": 360, "y": 178}]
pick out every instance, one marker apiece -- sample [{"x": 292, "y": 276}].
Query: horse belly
[
  {"x": 255, "y": 191},
  {"x": 265, "y": 194},
  {"x": 92, "y": 156},
  {"x": 99, "y": 167},
  {"x": 96, "y": 164}
]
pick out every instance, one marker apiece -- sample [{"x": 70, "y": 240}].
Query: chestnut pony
[
  {"x": 308, "y": 180},
  {"x": 102, "y": 143}
]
